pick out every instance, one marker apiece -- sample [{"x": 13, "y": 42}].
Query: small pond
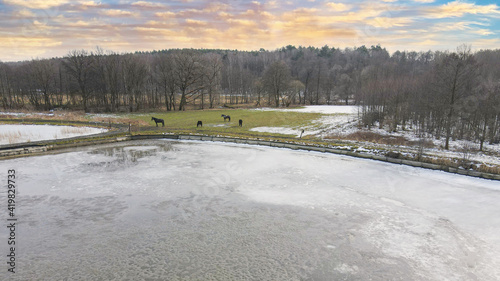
[{"x": 170, "y": 210}]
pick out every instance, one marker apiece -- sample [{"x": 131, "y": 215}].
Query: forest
[{"x": 450, "y": 95}]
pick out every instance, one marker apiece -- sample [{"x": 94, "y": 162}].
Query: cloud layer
[{"x": 48, "y": 28}]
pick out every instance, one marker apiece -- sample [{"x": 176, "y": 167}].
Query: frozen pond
[
  {"x": 28, "y": 133},
  {"x": 209, "y": 211}
]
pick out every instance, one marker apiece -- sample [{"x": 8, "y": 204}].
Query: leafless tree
[
  {"x": 456, "y": 74},
  {"x": 189, "y": 74},
  {"x": 212, "y": 73},
  {"x": 165, "y": 77},
  {"x": 6, "y": 91},
  {"x": 134, "y": 75},
  {"x": 43, "y": 72},
  {"x": 79, "y": 65},
  {"x": 277, "y": 79},
  {"x": 295, "y": 90}
]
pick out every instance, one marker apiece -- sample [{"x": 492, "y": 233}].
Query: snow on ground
[
  {"x": 10, "y": 134},
  {"x": 210, "y": 211},
  {"x": 324, "y": 109},
  {"x": 21, "y": 114},
  {"x": 336, "y": 116},
  {"x": 456, "y": 146},
  {"x": 339, "y": 121},
  {"x": 278, "y": 130},
  {"x": 342, "y": 121},
  {"x": 102, "y": 115}
]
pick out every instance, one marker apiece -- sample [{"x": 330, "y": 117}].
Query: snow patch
[
  {"x": 338, "y": 120},
  {"x": 10, "y": 134},
  {"x": 324, "y": 109},
  {"x": 278, "y": 130}
]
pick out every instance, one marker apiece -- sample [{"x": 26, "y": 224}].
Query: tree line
[{"x": 441, "y": 94}]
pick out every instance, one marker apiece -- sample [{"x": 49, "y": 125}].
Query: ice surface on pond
[
  {"x": 24, "y": 133},
  {"x": 211, "y": 211}
]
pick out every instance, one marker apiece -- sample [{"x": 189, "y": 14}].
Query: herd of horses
[{"x": 199, "y": 124}]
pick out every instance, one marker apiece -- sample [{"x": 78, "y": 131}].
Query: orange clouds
[
  {"x": 117, "y": 13},
  {"x": 458, "y": 9},
  {"x": 36, "y": 4},
  {"x": 151, "y": 24},
  {"x": 339, "y": 7},
  {"x": 86, "y": 4},
  {"x": 20, "y": 46},
  {"x": 388, "y": 22},
  {"x": 145, "y": 4},
  {"x": 309, "y": 24}
]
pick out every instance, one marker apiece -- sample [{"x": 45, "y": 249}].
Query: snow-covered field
[
  {"x": 22, "y": 114},
  {"x": 339, "y": 120},
  {"x": 10, "y": 134},
  {"x": 337, "y": 117},
  {"x": 208, "y": 211},
  {"x": 324, "y": 109}
]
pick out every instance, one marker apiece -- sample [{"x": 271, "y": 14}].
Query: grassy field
[
  {"x": 184, "y": 122},
  {"x": 213, "y": 123}
]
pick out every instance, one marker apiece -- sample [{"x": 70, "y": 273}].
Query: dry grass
[
  {"x": 75, "y": 130},
  {"x": 457, "y": 163},
  {"x": 489, "y": 169},
  {"x": 57, "y": 115},
  {"x": 11, "y": 137},
  {"x": 81, "y": 116}
]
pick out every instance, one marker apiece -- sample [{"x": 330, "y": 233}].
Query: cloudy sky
[{"x": 47, "y": 28}]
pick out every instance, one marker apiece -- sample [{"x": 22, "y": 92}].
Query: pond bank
[{"x": 27, "y": 149}]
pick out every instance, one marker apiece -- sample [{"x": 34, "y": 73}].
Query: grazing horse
[
  {"x": 226, "y": 117},
  {"x": 199, "y": 124},
  {"x": 158, "y": 120},
  {"x": 240, "y": 123}
]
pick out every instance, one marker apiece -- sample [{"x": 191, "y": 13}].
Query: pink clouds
[{"x": 151, "y": 24}]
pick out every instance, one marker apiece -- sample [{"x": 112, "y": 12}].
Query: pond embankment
[{"x": 121, "y": 134}]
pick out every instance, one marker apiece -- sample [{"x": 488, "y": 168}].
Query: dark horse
[
  {"x": 226, "y": 117},
  {"x": 199, "y": 124},
  {"x": 240, "y": 123},
  {"x": 157, "y": 120}
]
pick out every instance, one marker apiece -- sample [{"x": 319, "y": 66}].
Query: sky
[{"x": 31, "y": 29}]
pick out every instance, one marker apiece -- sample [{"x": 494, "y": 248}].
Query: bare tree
[
  {"x": 277, "y": 79},
  {"x": 6, "y": 92},
  {"x": 79, "y": 66},
  {"x": 296, "y": 89},
  {"x": 485, "y": 105},
  {"x": 112, "y": 64},
  {"x": 212, "y": 74},
  {"x": 189, "y": 74},
  {"x": 258, "y": 88},
  {"x": 43, "y": 72},
  {"x": 345, "y": 87},
  {"x": 165, "y": 77},
  {"x": 134, "y": 75},
  {"x": 456, "y": 73}
]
